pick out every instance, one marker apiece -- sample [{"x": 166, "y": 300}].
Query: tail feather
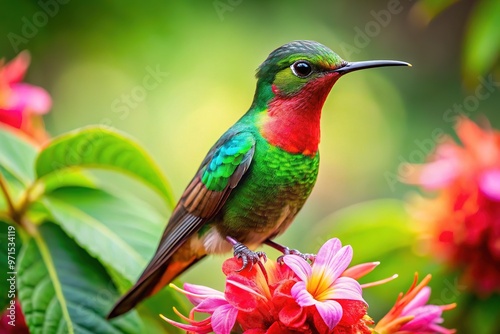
[
  {"x": 141, "y": 290},
  {"x": 148, "y": 286}
]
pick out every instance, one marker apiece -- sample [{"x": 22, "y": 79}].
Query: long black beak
[{"x": 361, "y": 65}]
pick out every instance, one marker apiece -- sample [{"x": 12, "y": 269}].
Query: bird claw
[
  {"x": 287, "y": 251},
  {"x": 247, "y": 256},
  {"x": 306, "y": 256}
]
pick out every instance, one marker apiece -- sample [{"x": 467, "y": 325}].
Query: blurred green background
[{"x": 96, "y": 59}]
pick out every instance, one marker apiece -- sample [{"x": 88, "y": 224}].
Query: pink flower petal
[
  {"x": 424, "y": 317},
  {"x": 334, "y": 266},
  {"x": 489, "y": 182},
  {"x": 327, "y": 251},
  {"x": 223, "y": 319},
  {"x": 201, "y": 290},
  {"x": 199, "y": 327},
  {"x": 198, "y": 293},
  {"x": 15, "y": 70},
  {"x": 299, "y": 266},
  {"x": 360, "y": 270},
  {"x": 330, "y": 311},
  {"x": 420, "y": 299},
  {"x": 301, "y": 295},
  {"x": 209, "y": 305},
  {"x": 345, "y": 288},
  {"x": 30, "y": 98},
  {"x": 439, "y": 174},
  {"x": 441, "y": 330}
]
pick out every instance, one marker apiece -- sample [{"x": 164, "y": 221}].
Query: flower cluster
[
  {"x": 463, "y": 219},
  {"x": 295, "y": 296},
  {"x": 22, "y": 104}
]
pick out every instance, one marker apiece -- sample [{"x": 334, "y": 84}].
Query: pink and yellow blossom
[{"x": 322, "y": 285}]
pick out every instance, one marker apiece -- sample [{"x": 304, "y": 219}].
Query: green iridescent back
[{"x": 273, "y": 190}]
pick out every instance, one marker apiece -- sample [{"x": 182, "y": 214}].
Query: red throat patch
[{"x": 293, "y": 123}]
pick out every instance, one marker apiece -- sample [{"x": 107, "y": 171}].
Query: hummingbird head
[
  {"x": 293, "y": 84},
  {"x": 291, "y": 67},
  {"x": 306, "y": 66}
]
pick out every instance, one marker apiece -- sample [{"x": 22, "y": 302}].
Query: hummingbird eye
[{"x": 301, "y": 68}]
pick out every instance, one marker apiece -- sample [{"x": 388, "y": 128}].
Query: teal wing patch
[
  {"x": 219, "y": 173},
  {"x": 227, "y": 159}
]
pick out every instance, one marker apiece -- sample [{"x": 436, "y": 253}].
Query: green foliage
[
  {"x": 96, "y": 147},
  {"x": 7, "y": 240},
  {"x": 62, "y": 289},
  {"x": 83, "y": 245},
  {"x": 482, "y": 41},
  {"x": 481, "y": 46},
  {"x": 112, "y": 229},
  {"x": 16, "y": 157}
]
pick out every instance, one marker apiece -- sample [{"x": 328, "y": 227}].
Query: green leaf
[
  {"x": 11, "y": 244},
  {"x": 17, "y": 156},
  {"x": 96, "y": 147},
  {"x": 72, "y": 178},
  {"x": 62, "y": 289},
  {"x": 482, "y": 41},
  {"x": 122, "y": 233}
]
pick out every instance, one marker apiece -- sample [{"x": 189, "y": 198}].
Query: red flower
[
  {"x": 22, "y": 104},
  {"x": 463, "y": 220}
]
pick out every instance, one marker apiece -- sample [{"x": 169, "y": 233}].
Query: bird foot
[
  {"x": 287, "y": 251},
  {"x": 306, "y": 256},
  {"x": 247, "y": 256}
]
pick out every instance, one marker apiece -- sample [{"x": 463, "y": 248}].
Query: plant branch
[{"x": 10, "y": 204}]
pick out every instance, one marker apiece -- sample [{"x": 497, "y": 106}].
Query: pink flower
[
  {"x": 263, "y": 300},
  {"x": 462, "y": 218},
  {"x": 321, "y": 284},
  {"x": 411, "y": 315},
  {"x": 22, "y": 104}
]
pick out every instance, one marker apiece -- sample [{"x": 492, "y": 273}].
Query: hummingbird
[{"x": 258, "y": 175}]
